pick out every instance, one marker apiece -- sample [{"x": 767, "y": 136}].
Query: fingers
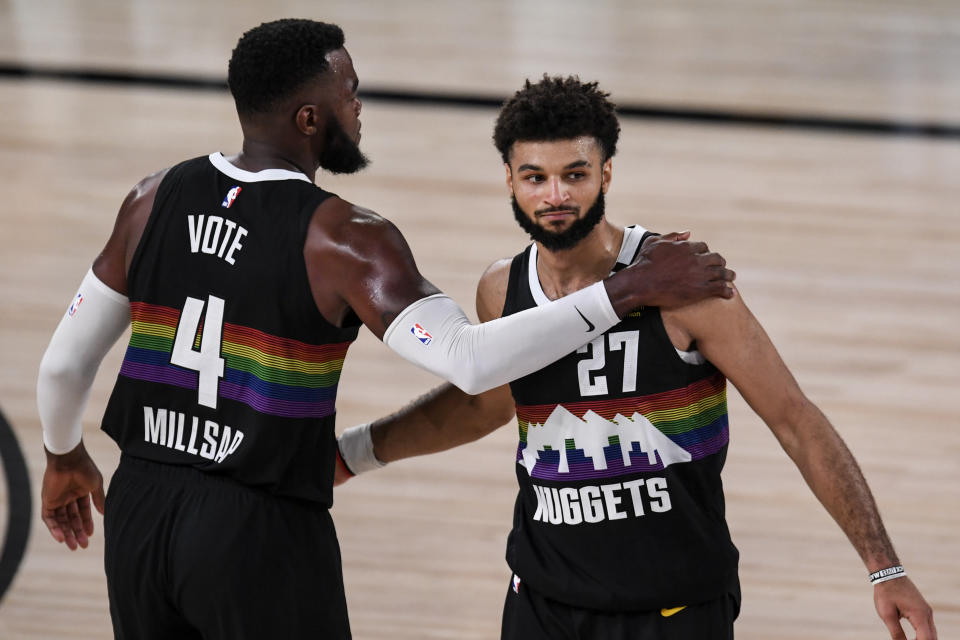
[
  {"x": 720, "y": 289},
  {"x": 70, "y": 524},
  {"x": 675, "y": 236},
  {"x": 98, "y": 497},
  {"x": 76, "y": 521},
  {"x": 922, "y": 622},
  {"x": 893, "y": 626},
  {"x": 53, "y": 526},
  {"x": 726, "y": 275},
  {"x": 86, "y": 519},
  {"x": 713, "y": 260},
  {"x": 890, "y": 614},
  {"x": 61, "y": 521},
  {"x": 721, "y": 285}
]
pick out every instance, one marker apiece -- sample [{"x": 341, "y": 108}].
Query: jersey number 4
[{"x": 206, "y": 361}]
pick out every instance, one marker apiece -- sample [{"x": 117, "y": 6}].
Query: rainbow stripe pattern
[
  {"x": 273, "y": 375},
  {"x": 694, "y": 418}
]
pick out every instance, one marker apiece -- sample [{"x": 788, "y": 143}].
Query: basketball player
[
  {"x": 619, "y": 529},
  {"x": 245, "y": 284}
]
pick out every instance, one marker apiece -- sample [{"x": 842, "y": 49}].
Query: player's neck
[
  {"x": 258, "y": 155},
  {"x": 591, "y": 260}
]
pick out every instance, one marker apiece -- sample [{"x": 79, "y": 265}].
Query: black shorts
[
  {"x": 190, "y": 555},
  {"x": 528, "y": 615}
]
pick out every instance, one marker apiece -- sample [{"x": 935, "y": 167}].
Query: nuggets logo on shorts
[
  {"x": 421, "y": 334},
  {"x": 231, "y": 196},
  {"x": 75, "y": 305}
]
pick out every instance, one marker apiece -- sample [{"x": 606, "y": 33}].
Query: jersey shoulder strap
[
  {"x": 519, "y": 296},
  {"x": 634, "y": 237}
]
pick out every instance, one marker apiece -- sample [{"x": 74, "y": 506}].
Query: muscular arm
[
  {"x": 71, "y": 481},
  {"x": 731, "y": 338},
  {"x": 446, "y": 417}
]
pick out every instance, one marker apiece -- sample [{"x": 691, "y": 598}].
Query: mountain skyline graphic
[{"x": 599, "y": 438}]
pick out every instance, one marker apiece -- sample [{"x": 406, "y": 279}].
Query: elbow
[
  {"x": 501, "y": 413},
  {"x": 57, "y": 373},
  {"x": 470, "y": 384},
  {"x": 797, "y": 427}
]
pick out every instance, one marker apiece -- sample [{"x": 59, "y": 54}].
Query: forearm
[
  {"x": 833, "y": 475},
  {"x": 86, "y": 332},
  {"x": 444, "y": 418},
  {"x": 441, "y": 419}
]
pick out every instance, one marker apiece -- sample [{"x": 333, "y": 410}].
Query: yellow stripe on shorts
[{"x": 666, "y": 613}]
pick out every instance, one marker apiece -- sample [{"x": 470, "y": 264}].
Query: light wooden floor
[{"x": 845, "y": 246}]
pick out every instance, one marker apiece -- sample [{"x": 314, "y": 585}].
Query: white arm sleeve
[
  {"x": 94, "y": 321},
  {"x": 434, "y": 333}
]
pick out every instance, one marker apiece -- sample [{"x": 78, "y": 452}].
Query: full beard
[
  {"x": 341, "y": 154},
  {"x": 560, "y": 240}
]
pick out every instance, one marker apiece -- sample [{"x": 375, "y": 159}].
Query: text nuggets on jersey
[{"x": 591, "y": 503}]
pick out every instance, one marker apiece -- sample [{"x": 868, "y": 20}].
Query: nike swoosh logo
[
  {"x": 666, "y": 613},
  {"x": 590, "y": 326}
]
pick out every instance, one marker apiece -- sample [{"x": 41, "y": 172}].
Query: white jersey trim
[{"x": 223, "y": 166}]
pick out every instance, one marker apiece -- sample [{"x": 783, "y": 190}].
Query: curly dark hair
[
  {"x": 273, "y": 60},
  {"x": 557, "y": 109}
]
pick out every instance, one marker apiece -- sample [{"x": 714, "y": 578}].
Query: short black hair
[
  {"x": 557, "y": 108},
  {"x": 275, "y": 59}
]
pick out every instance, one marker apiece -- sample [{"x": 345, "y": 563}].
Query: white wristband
[
  {"x": 890, "y": 573},
  {"x": 356, "y": 449}
]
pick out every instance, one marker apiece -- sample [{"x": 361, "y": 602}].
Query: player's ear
[
  {"x": 308, "y": 119},
  {"x": 606, "y": 174},
  {"x": 509, "y": 177}
]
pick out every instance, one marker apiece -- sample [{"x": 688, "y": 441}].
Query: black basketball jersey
[
  {"x": 621, "y": 446},
  {"x": 231, "y": 368}
]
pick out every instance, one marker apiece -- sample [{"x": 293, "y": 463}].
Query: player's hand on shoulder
[
  {"x": 680, "y": 271},
  {"x": 900, "y": 598}
]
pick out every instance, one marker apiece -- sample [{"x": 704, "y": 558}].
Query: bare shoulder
[
  {"x": 377, "y": 276},
  {"x": 339, "y": 222},
  {"x": 492, "y": 290},
  {"x": 139, "y": 201},
  {"x": 725, "y": 330},
  {"x": 114, "y": 261},
  {"x": 711, "y": 316}
]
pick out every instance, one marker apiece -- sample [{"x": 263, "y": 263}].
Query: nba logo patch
[
  {"x": 75, "y": 305},
  {"x": 231, "y": 196},
  {"x": 421, "y": 334},
  {"x": 516, "y": 583}
]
